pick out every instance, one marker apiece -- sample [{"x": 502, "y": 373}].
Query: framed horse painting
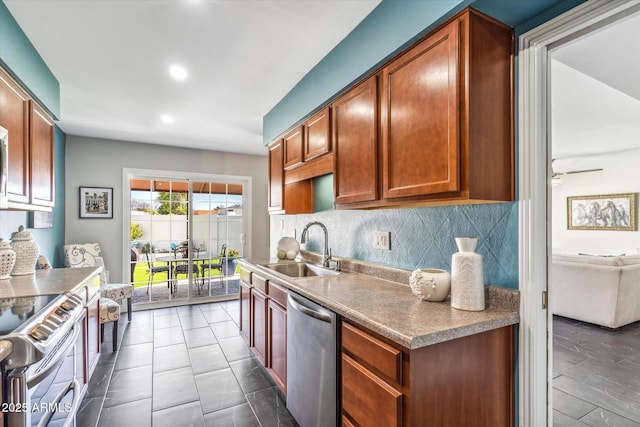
[{"x": 614, "y": 212}]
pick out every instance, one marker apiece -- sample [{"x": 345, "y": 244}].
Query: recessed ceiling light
[
  {"x": 167, "y": 119},
  {"x": 178, "y": 72}
]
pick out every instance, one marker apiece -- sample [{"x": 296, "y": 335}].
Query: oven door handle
[
  {"x": 74, "y": 386},
  {"x": 57, "y": 360}
]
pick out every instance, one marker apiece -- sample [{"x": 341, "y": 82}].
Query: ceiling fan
[{"x": 556, "y": 176}]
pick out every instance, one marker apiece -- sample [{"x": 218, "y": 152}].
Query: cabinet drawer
[
  {"x": 259, "y": 282},
  {"x": 381, "y": 358},
  {"x": 245, "y": 275},
  {"x": 367, "y": 399},
  {"x": 278, "y": 293}
]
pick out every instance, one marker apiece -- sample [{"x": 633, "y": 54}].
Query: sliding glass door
[{"x": 186, "y": 234}]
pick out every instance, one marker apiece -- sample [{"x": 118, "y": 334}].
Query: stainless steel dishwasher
[{"x": 311, "y": 362}]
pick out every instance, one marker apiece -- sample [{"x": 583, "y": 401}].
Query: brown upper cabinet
[
  {"x": 293, "y": 141},
  {"x": 291, "y": 198},
  {"x": 355, "y": 144},
  {"x": 446, "y": 110},
  {"x": 276, "y": 176},
  {"x": 434, "y": 125},
  {"x": 30, "y": 184},
  {"x": 317, "y": 139}
]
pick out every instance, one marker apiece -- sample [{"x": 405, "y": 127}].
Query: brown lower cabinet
[
  {"x": 465, "y": 381},
  {"x": 263, "y": 323}
]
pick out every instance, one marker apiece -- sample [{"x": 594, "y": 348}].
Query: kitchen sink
[{"x": 300, "y": 269}]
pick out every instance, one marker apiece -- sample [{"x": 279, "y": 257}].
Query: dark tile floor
[
  {"x": 596, "y": 374},
  {"x": 183, "y": 366}
]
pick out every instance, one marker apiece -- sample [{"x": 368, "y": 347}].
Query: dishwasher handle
[{"x": 309, "y": 312}]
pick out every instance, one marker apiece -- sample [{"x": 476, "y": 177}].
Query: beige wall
[{"x": 100, "y": 163}]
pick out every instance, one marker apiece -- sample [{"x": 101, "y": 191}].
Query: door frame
[
  {"x": 247, "y": 220},
  {"x": 535, "y": 332}
]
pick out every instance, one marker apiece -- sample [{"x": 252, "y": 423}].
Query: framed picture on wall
[
  {"x": 613, "y": 212},
  {"x": 96, "y": 202}
]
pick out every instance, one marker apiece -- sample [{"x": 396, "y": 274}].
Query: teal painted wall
[
  {"x": 22, "y": 61},
  {"x": 388, "y": 29}
]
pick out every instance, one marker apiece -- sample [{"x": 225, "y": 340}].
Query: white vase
[
  {"x": 430, "y": 284},
  {"x": 7, "y": 260},
  {"x": 27, "y": 252},
  {"x": 467, "y": 277}
]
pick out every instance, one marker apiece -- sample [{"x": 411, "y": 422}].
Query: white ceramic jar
[
  {"x": 7, "y": 259},
  {"x": 430, "y": 284},
  {"x": 27, "y": 252}
]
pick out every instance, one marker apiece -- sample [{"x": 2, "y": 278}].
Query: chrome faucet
[{"x": 326, "y": 256}]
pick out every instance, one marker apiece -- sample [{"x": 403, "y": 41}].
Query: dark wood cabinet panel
[
  {"x": 293, "y": 146},
  {"x": 291, "y": 198},
  {"x": 380, "y": 358},
  {"x": 14, "y": 116},
  {"x": 317, "y": 138},
  {"x": 367, "y": 399},
  {"x": 445, "y": 384},
  {"x": 419, "y": 112},
  {"x": 259, "y": 320},
  {"x": 245, "y": 311},
  {"x": 276, "y": 176},
  {"x": 277, "y": 361},
  {"x": 355, "y": 144},
  {"x": 42, "y": 157}
]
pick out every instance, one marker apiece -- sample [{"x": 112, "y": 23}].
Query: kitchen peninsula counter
[
  {"x": 389, "y": 308},
  {"x": 47, "y": 282}
]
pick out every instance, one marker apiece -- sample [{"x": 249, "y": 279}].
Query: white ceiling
[
  {"x": 595, "y": 94},
  {"x": 242, "y": 56}
]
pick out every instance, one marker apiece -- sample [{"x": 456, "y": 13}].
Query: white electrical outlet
[{"x": 382, "y": 240}]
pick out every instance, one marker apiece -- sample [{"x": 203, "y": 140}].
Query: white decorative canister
[
  {"x": 467, "y": 277},
  {"x": 430, "y": 284},
  {"x": 27, "y": 251},
  {"x": 7, "y": 259}
]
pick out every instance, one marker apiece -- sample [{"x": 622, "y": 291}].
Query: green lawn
[{"x": 141, "y": 273}]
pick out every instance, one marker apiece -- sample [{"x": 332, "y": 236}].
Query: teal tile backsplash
[{"x": 420, "y": 237}]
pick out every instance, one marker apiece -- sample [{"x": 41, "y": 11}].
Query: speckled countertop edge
[
  {"x": 379, "y": 298},
  {"x": 46, "y": 282}
]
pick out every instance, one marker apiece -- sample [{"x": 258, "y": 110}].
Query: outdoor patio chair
[
  {"x": 90, "y": 255},
  {"x": 154, "y": 269}
]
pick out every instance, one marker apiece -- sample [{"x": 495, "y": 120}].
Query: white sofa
[{"x": 604, "y": 290}]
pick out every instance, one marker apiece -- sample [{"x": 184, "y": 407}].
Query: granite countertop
[
  {"x": 389, "y": 308},
  {"x": 45, "y": 282}
]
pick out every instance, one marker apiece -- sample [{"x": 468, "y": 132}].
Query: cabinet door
[
  {"x": 277, "y": 361},
  {"x": 293, "y": 148},
  {"x": 259, "y": 323},
  {"x": 276, "y": 176},
  {"x": 14, "y": 116},
  {"x": 420, "y": 118},
  {"x": 355, "y": 144},
  {"x": 316, "y": 135},
  {"x": 42, "y": 157},
  {"x": 81, "y": 368},
  {"x": 245, "y": 311}
]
